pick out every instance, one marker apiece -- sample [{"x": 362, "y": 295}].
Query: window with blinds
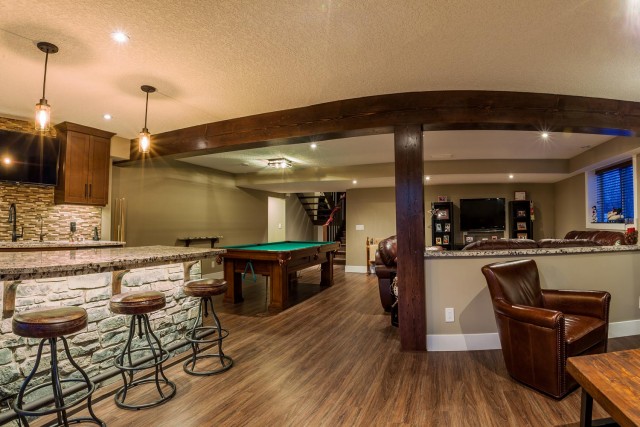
[{"x": 614, "y": 186}]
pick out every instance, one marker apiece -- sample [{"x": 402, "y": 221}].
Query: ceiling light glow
[
  {"x": 314, "y": 146},
  {"x": 107, "y": 116},
  {"x": 355, "y": 181},
  {"x": 544, "y": 135},
  {"x": 279, "y": 163},
  {"x": 6, "y": 160},
  {"x": 510, "y": 176},
  {"x": 119, "y": 37},
  {"x": 427, "y": 178}
]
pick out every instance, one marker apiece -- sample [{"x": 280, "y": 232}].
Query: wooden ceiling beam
[{"x": 441, "y": 110}]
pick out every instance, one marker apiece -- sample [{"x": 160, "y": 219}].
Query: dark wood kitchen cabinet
[{"x": 83, "y": 174}]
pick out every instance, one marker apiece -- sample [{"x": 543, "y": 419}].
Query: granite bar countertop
[
  {"x": 53, "y": 244},
  {"x": 40, "y": 264},
  {"x": 531, "y": 252}
]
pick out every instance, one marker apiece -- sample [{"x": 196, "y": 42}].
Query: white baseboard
[
  {"x": 355, "y": 269},
  {"x": 624, "y": 329},
  {"x": 491, "y": 341},
  {"x": 463, "y": 342}
]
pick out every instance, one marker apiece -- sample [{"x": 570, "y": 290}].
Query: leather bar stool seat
[
  {"x": 132, "y": 358},
  {"x": 51, "y": 325},
  {"x": 201, "y": 335},
  {"x": 142, "y": 302},
  {"x": 203, "y": 288}
]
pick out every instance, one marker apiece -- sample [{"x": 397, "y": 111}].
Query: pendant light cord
[
  {"x": 146, "y": 107},
  {"x": 44, "y": 81}
]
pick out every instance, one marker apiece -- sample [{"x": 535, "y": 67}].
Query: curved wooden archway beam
[{"x": 440, "y": 110}]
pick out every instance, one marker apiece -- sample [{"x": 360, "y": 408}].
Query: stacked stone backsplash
[
  {"x": 95, "y": 347},
  {"x": 36, "y": 201}
]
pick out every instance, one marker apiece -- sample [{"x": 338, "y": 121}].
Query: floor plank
[{"x": 334, "y": 359}]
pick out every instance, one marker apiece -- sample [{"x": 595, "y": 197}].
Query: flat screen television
[
  {"x": 28, "y": 158},
  {"x": 482, "y": 214}
]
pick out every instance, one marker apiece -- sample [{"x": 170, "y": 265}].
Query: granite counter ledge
[
  {"x": 41, "y": 264},
  {"x": 54, "y": 245},
  {"x": 531, "y": 252}
]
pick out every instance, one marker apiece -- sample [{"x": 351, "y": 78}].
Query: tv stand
[{"x": 474, "y": 236}]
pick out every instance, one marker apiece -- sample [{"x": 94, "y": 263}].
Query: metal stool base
[
  {"x": 191, "y": 370},
  {"x": 159, "y": 356},
  {"x": 122, "y": 391},
  {"x": 197, "y": 336},
  {"x": 60, "y": 407}
]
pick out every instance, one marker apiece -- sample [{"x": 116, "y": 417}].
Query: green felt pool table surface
[{"x": 277, "y": 246}]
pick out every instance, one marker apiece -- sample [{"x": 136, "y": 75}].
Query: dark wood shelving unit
[
  {"x": 521, "y": 225},
  {"x": 442, "y": 229}
]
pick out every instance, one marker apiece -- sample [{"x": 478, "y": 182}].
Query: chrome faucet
[
  {"x": 13, "y": 219},
  {"x": 39, "y": 218}
]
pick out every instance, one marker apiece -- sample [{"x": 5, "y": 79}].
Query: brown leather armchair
[{"x": 540, "y": 328}]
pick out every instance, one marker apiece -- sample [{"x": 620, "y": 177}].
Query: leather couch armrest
[
  {"x": 542, "y": 317},
  {"x": 384, "y": 272},
  {"x": 585, "y": 303}
]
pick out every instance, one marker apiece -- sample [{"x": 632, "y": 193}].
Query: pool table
[{"x": 278, "y": 260}]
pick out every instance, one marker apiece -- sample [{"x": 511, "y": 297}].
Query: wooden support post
[
  {"x": 9, "y": 297},
  {"x": 116, "y": 281},
  {"x": 410, "y": 229}
]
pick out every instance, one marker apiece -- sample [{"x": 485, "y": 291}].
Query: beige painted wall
[
  {"x": 569, "y": 211},
  {"x": 459, "y": 283},
  {"x": 168, "y": 199},
  {"x": 375, "y": 209},
  {"x": 276, "y": 219},
  {"x": 299, "y": 226}
]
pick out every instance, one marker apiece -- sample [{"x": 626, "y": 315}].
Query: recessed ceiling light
[
  {"x": 119, "y": 37},
  {"x": 427, "y": 178},
  {"x": 314, "y": 146},
  {"x": 6, "y": 160},
  {"x": 544, "y": 135},
  {"x": 355, "y": 181},
  {"x": 510, "y": 176},
  {"x": 107, "y": 116}
]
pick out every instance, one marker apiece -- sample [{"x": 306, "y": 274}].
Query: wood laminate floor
[{"x": 334, "y": 360}]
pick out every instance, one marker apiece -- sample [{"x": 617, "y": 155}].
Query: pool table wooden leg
[
  {"x": 234, "y": 283},
  {"x": 326, "y": 271},
  {"x": 279, "y": 287}
]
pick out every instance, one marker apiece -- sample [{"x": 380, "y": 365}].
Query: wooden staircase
[
  {"x": 328, "y": 208},
  {"x": 318, "y": 206},
  {"x": 341, "y": 255}
]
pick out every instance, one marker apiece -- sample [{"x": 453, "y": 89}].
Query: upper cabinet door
[
  {"x": 83, "y": 176},
  {"x": 99, "y": 171}
]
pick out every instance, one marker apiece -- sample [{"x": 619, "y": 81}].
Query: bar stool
[
  {"x": 51, "y": 325},
  {"x": 206, "y": 289},
  {"x": 139, "y": 305}
]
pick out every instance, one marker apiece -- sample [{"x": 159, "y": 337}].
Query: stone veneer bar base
[{"x": 95, "y": 347}]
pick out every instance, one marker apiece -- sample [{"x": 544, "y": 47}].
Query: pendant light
[
  {"x": 43, "y": 110},
  {"x": 144, "y": 139}
]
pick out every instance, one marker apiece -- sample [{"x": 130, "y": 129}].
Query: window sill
[{"x": 617, "y": 226}]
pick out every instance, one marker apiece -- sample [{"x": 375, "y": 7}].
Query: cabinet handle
[
  {"x": 86, "y": 193},
  {"x": 89, "y": 190}
]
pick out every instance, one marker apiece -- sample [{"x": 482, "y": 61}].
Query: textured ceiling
[{"x": 218, "y": 60}]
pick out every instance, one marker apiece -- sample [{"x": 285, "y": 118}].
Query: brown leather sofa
[
  {"x": 540, "y": 328},
  {"x": 603, "y": 238},
  {"x": 571, "y": 240}
]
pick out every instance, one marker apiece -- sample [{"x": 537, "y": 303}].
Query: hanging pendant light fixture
[
  {"x": 144, "y": 139},
  {"x": 43, "y": 110}
]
